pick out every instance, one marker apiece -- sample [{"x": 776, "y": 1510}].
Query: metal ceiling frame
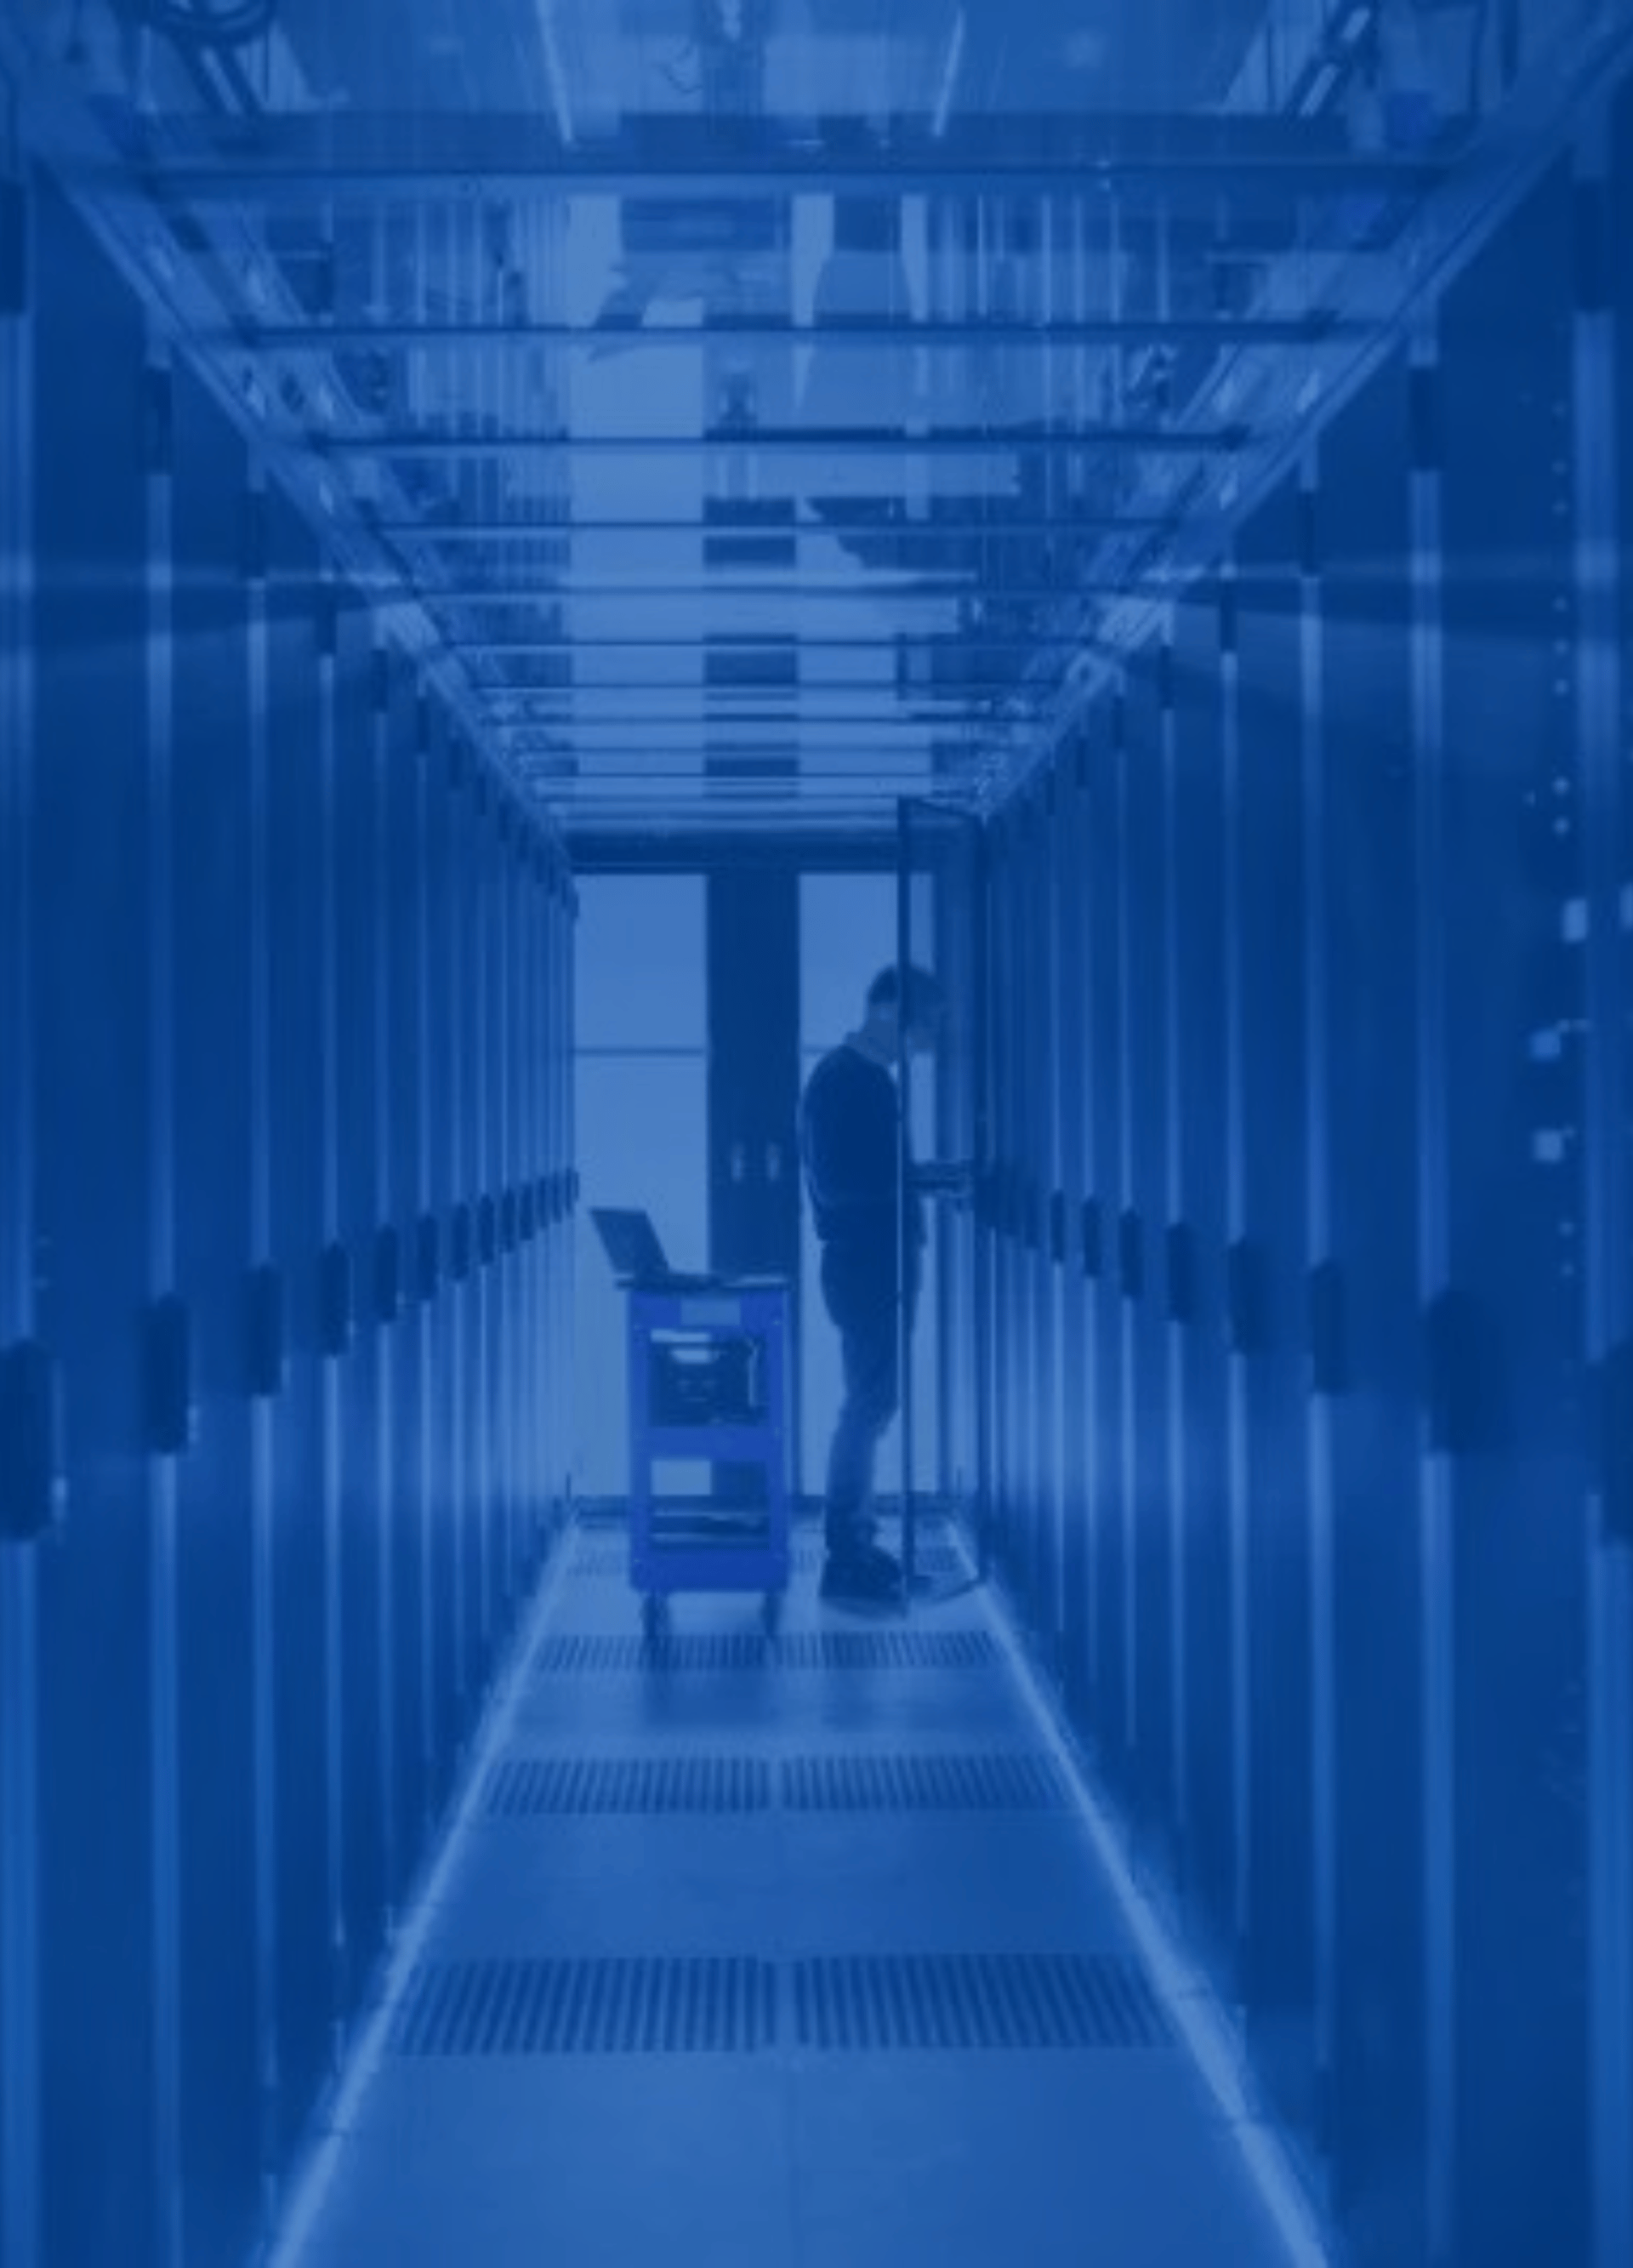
[{"x": 1282, "y": 198}]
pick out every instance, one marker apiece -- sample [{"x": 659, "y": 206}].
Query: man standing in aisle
[{"x": 850, "y": 1147}]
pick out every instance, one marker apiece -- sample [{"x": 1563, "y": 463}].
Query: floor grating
[
  {"x": 648, "y": 1785},
  {"x": 600, "y": 2007},
  {"x": 750, "y": 1650},
  {"x": 653, "y": 1785},
  {"x": 877, "y": 2003},
  {"x": 923, "y": 1783},
  {"x": 976, "y": 2000}
]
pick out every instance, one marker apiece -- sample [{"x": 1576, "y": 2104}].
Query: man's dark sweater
[{"x": 848, "y": 1127}]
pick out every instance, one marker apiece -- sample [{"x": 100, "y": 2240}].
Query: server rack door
[
  {"x": 480, "y": 1444},
  {"x": 1075, "y": 1073},
  {"x": 1207, "y": 1847},
  {"x": 1266, "y": 1267},
  {"x": 511, "y": 1270},
  {"x": 1366, "y": 1332},
  {"x": 400, "y": 1478},
  {"x": 1147, "y": 1382},
  {"x": 419, "y": 775},
  {"x": 216, "y": 814},
  {"x": 1107, "y": 881},
  {"x": 19, "y": 1349},
  {"x": 1044, "y": 990},
  {"x": 434, "y": 1264},
  {"x": 361, "y": 1532},
  {"x": 1505, "y": 1346},
  {"x": 1087, "y": 1226},
  {"x": 295, "y": 698},
  {"x": 534, "y": 1353},
  {"x": 97, "y": 1879},
  {"x": 471, "y": 1506},
  {"x": 1031, "y": 992},
  {"x": 1604, "y": 458},
  {"x": 1007, "y": 1534}
]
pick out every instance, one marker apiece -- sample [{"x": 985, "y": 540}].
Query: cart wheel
[
  {"x": 654, "y": 1616},
  {"x": 771, "y": 1613}
]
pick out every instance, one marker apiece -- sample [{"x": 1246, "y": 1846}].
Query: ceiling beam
[
  {"x": 703, "y": 585},
  {"x": 312, "y": 158},
  {"x": 763, "y": 772},
  {"x": 872, "y": 331},
  {"x": 771, "y": 591},
  {"x": 972, "y": 527},
  {"x": 806, "y": 697},
  {"x": 835, "y": 733},
  {"x": 734, "y": 645},
  {"x": 824, "y": 441},
  {"x": 497, "y": 700}
]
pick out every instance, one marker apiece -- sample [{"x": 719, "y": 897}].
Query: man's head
[{"x": 904, "y": 1006}]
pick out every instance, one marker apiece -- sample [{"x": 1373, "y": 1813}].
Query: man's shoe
[
  {"x": 870, "y": 1580},
  {"x": 882, "y": 1564}
]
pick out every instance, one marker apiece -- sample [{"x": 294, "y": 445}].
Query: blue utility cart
[{"x": 707, "y": 1383}]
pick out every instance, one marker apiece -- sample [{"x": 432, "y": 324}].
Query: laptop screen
[{"x": 630, "y": 1241}]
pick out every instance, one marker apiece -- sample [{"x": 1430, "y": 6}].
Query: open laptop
[
  {"x": 639, "y": 1259},
  {"x": 636, "y": 1250}
]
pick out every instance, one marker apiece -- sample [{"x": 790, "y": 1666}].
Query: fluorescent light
[
  {"x": 556, "y": 77},
  {"x": 1320, "y": 87},
  {"x": 949, "y": 77}
]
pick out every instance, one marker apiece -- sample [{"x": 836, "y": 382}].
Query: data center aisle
[{"x": 776, "y": 1954}]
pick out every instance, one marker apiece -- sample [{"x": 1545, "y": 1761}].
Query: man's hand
[{"x": 946, "y": 1177}]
